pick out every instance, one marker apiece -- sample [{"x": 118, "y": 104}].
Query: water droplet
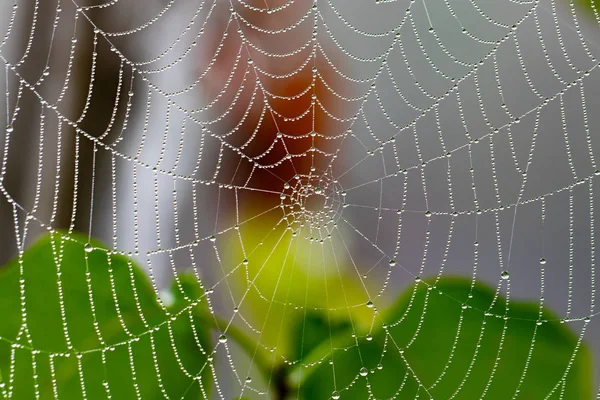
[
  {"x": 363, "y": 371},
  {"x": 392, "y": 263},
  {"x": 335, "y": 395},
  {"x": 542, "y": 261},
  {"x": 9, "y": 128},
  {"x": 245, "y": 262},
  {"x": 370, "y": 304},
  {"x": 504, "y": 275},
  {"x": 248, "y": 380},
  {"x": 369, "y": 337},
  {"x": 88, "y": 248},
  {"x": 222, "y": 339},
  {"x": 213, "y": 238}
]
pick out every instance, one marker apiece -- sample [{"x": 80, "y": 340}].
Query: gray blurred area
[{"x": 555, "y": 147}]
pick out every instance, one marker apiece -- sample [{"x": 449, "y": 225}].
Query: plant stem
[
  {"x": 280, "y": 382},
  {"x": 276, "y": 375}
]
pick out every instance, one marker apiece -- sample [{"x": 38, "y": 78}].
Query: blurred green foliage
[
  {"x": 106, "y": 312},
  {"x": 442, "y": 350},
  {"x": 443, "y": 339},
  {"x": 308, "y": 332},
  {"x": 276, "y": 268}
]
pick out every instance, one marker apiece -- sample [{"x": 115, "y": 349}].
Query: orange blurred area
[{"x": 278, "y": 112}]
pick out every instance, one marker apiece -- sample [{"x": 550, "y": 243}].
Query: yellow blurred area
[{"x": 281, "y": 274}]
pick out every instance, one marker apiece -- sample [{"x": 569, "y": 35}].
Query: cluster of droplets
[{"x": 313, "y": 204}]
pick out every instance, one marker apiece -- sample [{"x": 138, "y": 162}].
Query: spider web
[{"x": 426, "y": 138}]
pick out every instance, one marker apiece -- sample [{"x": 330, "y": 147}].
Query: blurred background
[{"x": 175, "y": 172}]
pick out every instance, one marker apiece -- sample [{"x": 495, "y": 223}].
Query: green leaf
[
  {"x": 315, "y": 328},
  {"x": 90, "y": 323},
  {"x": 435, "y": 348},
  {"x": 186, "y": 291}
]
